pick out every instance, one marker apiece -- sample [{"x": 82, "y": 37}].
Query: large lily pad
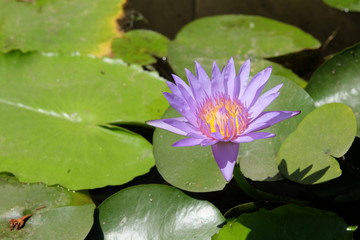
[
  {"x": 286, "y": 222},
  {"x": 158, "y": 212},
  {"x": 218, "y": 38},
  {"x": 338, "y": 80},
  {"x": 56, "y": 213},
  {"x": 194, "y": 168},
  {"x": 55, "y": 111},
  {"x": 140, "y": 47},
  {"x": 345, "y": 5},
  {"x": 59, "y": 26},
  {"x": 307, "y": 155}
]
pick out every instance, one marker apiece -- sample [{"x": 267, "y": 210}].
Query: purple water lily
[{"x": 222, "y": 111}]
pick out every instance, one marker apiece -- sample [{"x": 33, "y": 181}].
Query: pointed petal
[
  {"x": 208, "y": 142},
  {"x": 173, "y": 88},
  {"x": 255, "y": 87},
  {"x": 166, "y": 124},
  {"x": 229, "y": 77},
  {"x": 264, "y": 100},
  {"x": 195, "y": 85},
  {"x": 225, "y": 154},
  {"x": 253, "y": 136},
  {"x": 179, "y": 82},
  {"x": 187, "y": 142},
  {"x": 242, "y": 79},
  {"x": 203, "y": 78},
  {"x": 216, "y": 80},
  {"x": 267, "y": 119},
  {"x": 181, "y": 106}
]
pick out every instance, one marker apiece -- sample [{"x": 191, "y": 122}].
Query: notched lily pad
[
  {"x": 157, "y": 212},
  {"x": 140, "y": 47},
  {"x": 43, "y": 212},
  {"x": 308, "y": 154}
]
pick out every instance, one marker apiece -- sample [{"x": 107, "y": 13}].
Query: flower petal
[
  {"x": 267, "y": 119},
  {"x": 187, "y": 142},
  {"x": 264, "y": 100},
  {"x": 179, "y": 82},
  {"x": 253, "y": 136},
  {"x": 195, "y": 85},
  {"x": 203, "y": 78},
  {"x": 242, "y": 79},
  {"x": 225, "y": 154},
  {"x": 167, "y": 125},
  {"x": 181, "y": 107},
  {"x": 229, "y": 77},
  {"x": 217, "y": 85},
  {"x": 255, "y": 87}
]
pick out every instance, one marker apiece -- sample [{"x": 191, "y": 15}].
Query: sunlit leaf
[
  {"x": 218, "y": 38},
  {"x": 55, "y": 112},
  {"x": 56, "y": 213},
  {"x": 157, "y": 212},
  {"x": 308, "y": 154},
  {"x": 338, "y": 80},
  {"x": 59, "y": 26}
]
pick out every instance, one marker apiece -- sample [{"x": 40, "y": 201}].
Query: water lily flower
[{"x": 223, "y": 111}]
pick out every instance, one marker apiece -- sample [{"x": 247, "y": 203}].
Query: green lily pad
[
  {"x": 140, "y": 47},
  {"x": 194, "y": 168},
  {"x": 218, "y": 38},
  {"x": 258, "y": 159},
  {"x": 56, "y": 213},
  {"x": 55, "y": 113},
  {"x": 338, "y": 80},
  {"x": 59, "y": 26},
  {"x": 286, "y": 222},
  {"x": 157, "y": 212},
  {"x": 345, "y": 5},
  {"x": 308, "y": 155}
]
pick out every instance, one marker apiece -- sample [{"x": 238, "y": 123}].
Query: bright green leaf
[
  {"x": 57, "y": 213},
  {"x": 345, "y": 5},
  {"x": 338, "y": 80},
  {"x": 59, "y": 26},
  {"x": 157, "y": 212},
  {"x": 140, "y": 47},
  {"x": 55, "y": 111},
  {"x": 284, "y": 223},
  {"x": 307, "y": 155},
  {"x": 218, "y": 38},
  {"x": 194, "y": 168}
]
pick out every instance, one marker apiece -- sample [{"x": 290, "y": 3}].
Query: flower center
[{"x": 223, "y": 115}]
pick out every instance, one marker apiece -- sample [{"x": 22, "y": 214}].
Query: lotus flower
[{"x": 223, "y": 111}]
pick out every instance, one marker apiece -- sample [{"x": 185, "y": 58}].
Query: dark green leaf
[{"x": 157, "y": 212}]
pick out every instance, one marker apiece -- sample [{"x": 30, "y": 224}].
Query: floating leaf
[
  {"x": 258, "y": 158},
  {"x": 286, "y": 222},
  {"x": 338, "y": 80},
  {"x": 194, "y": 168},
  {"x": 157, "y": 212},
  {"x": 238, "y": 36},
  {"x": 345, "y": 5},
  {"x": 140, "y": 47},
  {"x": 55, "y": 111},
  {"x": 59, "y": 26},
  {"x": 307, "y": 155},
  {"x": 56, "y": 213}
]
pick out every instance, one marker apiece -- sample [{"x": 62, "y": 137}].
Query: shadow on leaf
[{"x": 300, "y": 176}]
